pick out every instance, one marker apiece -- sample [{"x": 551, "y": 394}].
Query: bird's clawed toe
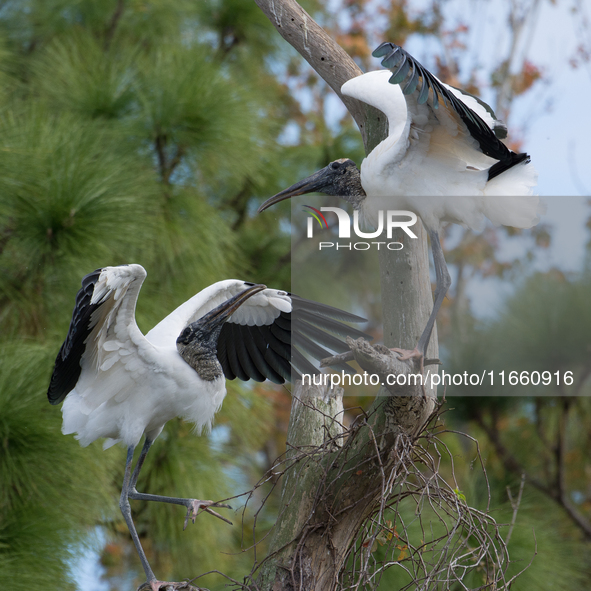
[
  {"x": 196, "y": 506},
  {"x": 415, "y": 355},
  {"x": 406, "y": 354},
  {"x": 169, "y": 586}
]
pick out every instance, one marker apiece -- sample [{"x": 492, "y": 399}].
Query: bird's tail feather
[{"x": 508, "y": 198}]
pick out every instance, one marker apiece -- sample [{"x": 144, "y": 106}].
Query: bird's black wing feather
[
  {"x": 67, "y": 365},
  {"x": 324, "y": 310},
  {"x": 276, "y": 351},
  {"x": 256, "y": 349},
  {"x": 410, "y": 74},
  {"x": 237, "y": 354}
]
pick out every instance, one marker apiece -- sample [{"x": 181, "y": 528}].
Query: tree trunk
[
  {"x": 336, "y": 480},
  {"x": 333, "y": 484}
]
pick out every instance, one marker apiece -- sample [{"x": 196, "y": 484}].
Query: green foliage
[
  {"x": 182, "y": 96},
  {"x": 73, "y": 189},
  {"x": 562, "y": 560},
  {"x": 46, "y": 506},
  {"x": 548, "y": 309},
  {"x": 238, "y": 26},
  {"x": 542, "y": 430},
  {"x": 78, "y": 75},
  {"x": 69, "y": 203},
  {"x": 128, "y": 135}
]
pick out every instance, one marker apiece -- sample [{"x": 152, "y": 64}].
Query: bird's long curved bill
[
  {"x": 312, "y": 184},
  {"x": 220, "y": 314}
]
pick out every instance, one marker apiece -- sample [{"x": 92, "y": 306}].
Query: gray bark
[
  {"x": 334, "y": 484},
  {"x": 405, "y": 282},
  {"x": 332, "y": 63}
]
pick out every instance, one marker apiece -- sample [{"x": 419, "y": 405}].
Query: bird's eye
[{"x": 335, "y": 165}]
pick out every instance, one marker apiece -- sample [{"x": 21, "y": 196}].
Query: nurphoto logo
[{"x": 393, "y": 219}]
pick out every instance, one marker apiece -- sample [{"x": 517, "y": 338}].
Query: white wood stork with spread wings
[
  {"x": 120, "y": 385},
  {"x": 443, "y": 159}
]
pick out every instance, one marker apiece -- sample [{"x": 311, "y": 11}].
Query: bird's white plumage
[
  {"x": 131, "y": 384},
  {"x": 262, "y": 308},
  {"x": 117, "y": 384},
  {"x": 430, "y": 164}
]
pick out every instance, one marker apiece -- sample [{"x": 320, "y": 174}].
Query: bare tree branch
[
  {"x": 327, "y": 497},
  {"x": 555, "y": 490},
  {"x": 330, "y": 61},
  {"x": 339, "y": 483}
]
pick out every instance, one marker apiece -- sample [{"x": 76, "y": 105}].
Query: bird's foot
[
  {"x": 155, "y": 585},
  {"x": 195, "y": 506},
  {"x": 415, "y": 355},
  {"x": 407, "y": 354}
]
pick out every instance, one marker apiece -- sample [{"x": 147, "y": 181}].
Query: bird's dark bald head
[
  {"x": 343, "y": 179},
  {"x": 340, "y": 178}
]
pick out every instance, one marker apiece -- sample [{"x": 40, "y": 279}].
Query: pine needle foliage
[
  {"x": 126, "y": 135},
  {"x": 68, "y": 203},
  {"x": 44, "y": 503},
  {"x": 77, "y": 74},
  {"x": 239, "y": 28}
]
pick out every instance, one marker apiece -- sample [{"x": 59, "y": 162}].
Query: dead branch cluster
[
  {"x": 420, "y": 523},
  {"x": 359, "y": 499}
]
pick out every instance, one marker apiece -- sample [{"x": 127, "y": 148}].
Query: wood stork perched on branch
[
  {"x": 118, "y": 384},
  {"x": 443, "y": 159}
]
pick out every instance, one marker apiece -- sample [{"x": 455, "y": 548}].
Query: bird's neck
[
  {"x": 355, "y": 194},
  {"x": 380, "y": 175},
  {"x": 203, "y": 360}
]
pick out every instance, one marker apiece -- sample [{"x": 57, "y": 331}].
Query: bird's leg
[
  {"x": 129, "y": 481},
  {"x": 126, "y": 511},
  {"x": 443, "y": 281},
  {"x": 194, "y": 506},
  {"x": 140, "y": 463}
]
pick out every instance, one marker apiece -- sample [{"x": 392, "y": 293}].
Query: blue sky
[{"x": 556, "y": 114}]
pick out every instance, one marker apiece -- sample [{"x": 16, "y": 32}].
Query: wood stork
[
  {"x": 443, "y": 159},
  {"x": 118, "y": 384}
]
